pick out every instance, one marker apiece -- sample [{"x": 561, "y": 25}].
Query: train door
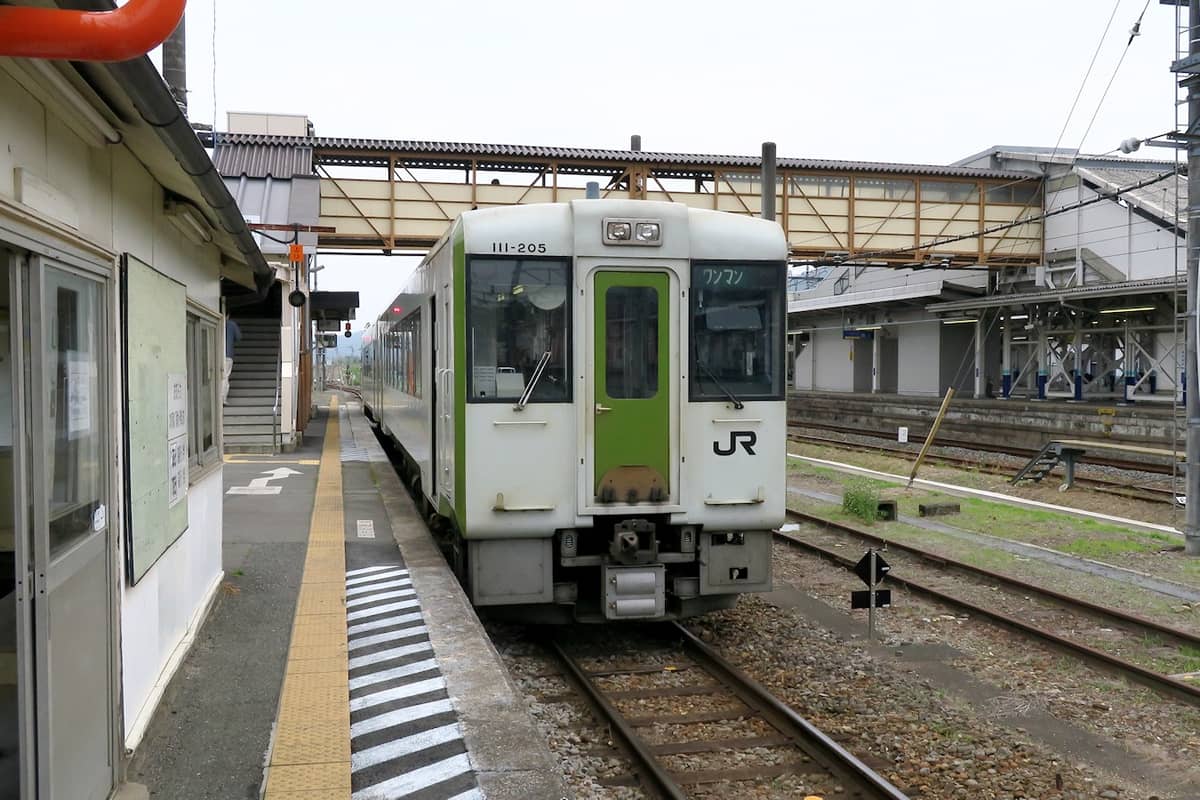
[
  {"x": 444, "y": 429},
  {"x": 58, "y": 491},
  {"x": 631, "y": 386}
]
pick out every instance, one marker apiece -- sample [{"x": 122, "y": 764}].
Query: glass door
[
  {"x": 66, "y": 394},
  {"x": 631, "y": 451}
]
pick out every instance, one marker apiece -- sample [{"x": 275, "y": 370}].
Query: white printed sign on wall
[{"x": 177, "y": 449}]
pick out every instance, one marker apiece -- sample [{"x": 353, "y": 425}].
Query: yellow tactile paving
[
  {"x": 309, "y": 744},
  {"x": 306, "y": 666},
  {"x": 310, "y": 757},
  {"x": 327, "y": 777},
  {"x": 311, "y": 681}
]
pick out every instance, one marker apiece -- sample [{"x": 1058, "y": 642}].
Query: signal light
[{"x": 347, "y": 334}]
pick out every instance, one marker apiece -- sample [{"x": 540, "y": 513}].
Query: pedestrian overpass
[{"x": 399, "y": 196}]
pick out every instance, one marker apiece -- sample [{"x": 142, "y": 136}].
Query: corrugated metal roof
[
  {"x": 348, "y": 151},
  {"x": 261, "y": 160},
  {"x": 1159, "y": 199},
  {"x": 1119, "y": 289}
]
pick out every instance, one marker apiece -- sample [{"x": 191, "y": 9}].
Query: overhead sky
[{"x": 920, "y": 81}]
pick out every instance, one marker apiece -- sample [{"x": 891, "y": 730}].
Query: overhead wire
[
  {"x": 1087, "y": 74},
  {"x": 1133, "y": 34}
]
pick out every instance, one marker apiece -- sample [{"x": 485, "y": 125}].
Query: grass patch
[
  {"x": 861, "y": 499},
  {"x": 1100, "y": 548}
]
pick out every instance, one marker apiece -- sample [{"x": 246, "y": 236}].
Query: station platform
[
  {"x": 1016, "y": 422},
  {"x": 342, "y": 661}
]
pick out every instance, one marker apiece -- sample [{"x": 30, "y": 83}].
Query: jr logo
[{"x": 747, "y": 439}]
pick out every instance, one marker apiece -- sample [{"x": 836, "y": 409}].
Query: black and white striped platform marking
[{"x": 405, "y": 741}]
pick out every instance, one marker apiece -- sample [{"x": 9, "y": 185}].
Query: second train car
[{"x": 589, "y": 397}]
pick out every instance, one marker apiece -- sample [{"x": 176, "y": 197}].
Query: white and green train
[{"x": 589, "y": 399}]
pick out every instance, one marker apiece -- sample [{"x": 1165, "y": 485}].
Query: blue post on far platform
[
  {"x": 1078, "y": 386},
  {"x": 1006, "y": 384},
  {"x": 1042, "y": 380},
  {"x": 1130, "y": 382}
]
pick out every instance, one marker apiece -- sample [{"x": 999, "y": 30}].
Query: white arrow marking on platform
[{"x": 259, "y": 485}]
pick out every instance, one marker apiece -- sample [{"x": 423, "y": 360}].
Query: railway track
[
  {"x": 720, "y": 693},
  {"x": 1030, "y": 609},
  {"x": 1147, "y": 493}
]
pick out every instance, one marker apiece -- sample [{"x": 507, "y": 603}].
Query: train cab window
[
  {"x": 631, "y": 342},
  {"x": 519, "y": 315},
  {"x": 737, "y": 331}
]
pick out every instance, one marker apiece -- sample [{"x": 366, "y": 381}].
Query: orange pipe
[{"x": 128, "y": 32}]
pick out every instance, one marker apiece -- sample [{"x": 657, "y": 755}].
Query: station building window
[
  {"x": 519, "y": 311},
  {"x": 883, "y": 189},
  {"x": 1022, "y": 193},
  {"x": 203, "y": 390},
  {"x": 737, "y": 341},
  {"x": 949, "y": 192},
  {"x": 820, "y": 186}
]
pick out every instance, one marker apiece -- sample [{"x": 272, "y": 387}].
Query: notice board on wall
[{"x": 154, "y": 332}]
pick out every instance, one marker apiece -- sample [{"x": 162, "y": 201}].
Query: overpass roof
[{"x": 232, "y": 147}]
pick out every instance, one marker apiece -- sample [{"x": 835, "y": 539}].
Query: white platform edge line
[
  {"x": 400, "y": 716},
  {"x": 415, "y": 668},
  {"x": 997, "y": 496},
  {"x": 420, "y": 778},
  {"x": 404, "y": 746}
]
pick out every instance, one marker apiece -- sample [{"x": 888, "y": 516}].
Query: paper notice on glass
[
  {"x": 485, "y": 382},
  {"x": 176, "y": 405},
  {"x": 79, "y": 395},
  {"x": 177, "y": 470}
]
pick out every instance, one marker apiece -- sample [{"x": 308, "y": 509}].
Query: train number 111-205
[{"x": 519, "y": 247}]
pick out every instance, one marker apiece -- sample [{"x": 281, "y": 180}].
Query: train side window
[
  {"x": 404, "y": 343},
  {"x": 519, "y": 310},
  {"x": 737, "y": 342},
  {"x": 631, "y": 342}
]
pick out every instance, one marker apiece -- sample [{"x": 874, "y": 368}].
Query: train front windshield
[
  {"x": 519, "y": 314},
  {"x": 737, "y": 331}
]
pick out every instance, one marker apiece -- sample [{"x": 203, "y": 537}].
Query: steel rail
[
  {"x": 647, "y": 764},
  {"x": 1147, "y": 677},
  {"x": 807, "y": 736},
  {"x": 842, "y": 765},
  {"x": 1112, "y": 614}
]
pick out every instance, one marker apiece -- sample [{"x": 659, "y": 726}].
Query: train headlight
[
  {"x": 570, "y": 545},
  {"x": 618, "y": 231},
  {"x": 648, "y": 231},
  {"x": 637, "y": 232}
]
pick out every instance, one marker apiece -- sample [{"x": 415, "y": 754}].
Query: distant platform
[{"x": 1015, "y": 422}]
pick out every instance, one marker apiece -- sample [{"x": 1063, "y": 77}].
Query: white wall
[
  {"x": 109, "y": 198},
  {"x": 919, "y": 361},
  {"x": 833, "y": 370},
  {"x": 159, "y": 615},
  {"x": 1133, "y": 245}
]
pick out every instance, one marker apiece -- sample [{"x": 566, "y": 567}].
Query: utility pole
[{"x": 1189, "y": 70}]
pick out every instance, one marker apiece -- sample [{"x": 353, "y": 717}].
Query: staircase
[
  {"x": 1040, "y": 465},
  {"x": 250, "y": 424},
  {"x": 1049, "y": 457}
]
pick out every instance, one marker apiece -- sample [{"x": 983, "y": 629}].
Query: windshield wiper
[
  {"x": 736, "y": 403},
  {"x": 533, "y": 380}
]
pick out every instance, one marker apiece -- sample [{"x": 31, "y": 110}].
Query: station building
[
  {"x": 119, "y": 241},
  {"x": 1092, "y": 316}
]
